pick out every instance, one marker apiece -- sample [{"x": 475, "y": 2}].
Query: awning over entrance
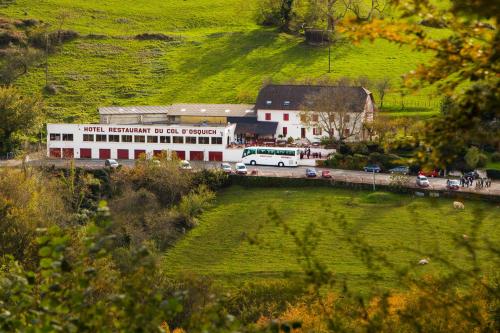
[{"x": 263, "y": 128}]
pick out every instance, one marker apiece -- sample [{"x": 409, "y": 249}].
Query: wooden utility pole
[
  {"x": 329, "y": 57},
  {"x": 46, "y": 59}
]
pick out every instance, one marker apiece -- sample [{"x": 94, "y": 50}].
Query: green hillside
[
  {"x": 218, "y": 247},
  {"x": 218, "y": 55}
]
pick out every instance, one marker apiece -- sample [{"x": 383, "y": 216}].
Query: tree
[
  {"x": 382, "y": 86},
  {"x": 276, "y": 12},
  {"x": 358, "y": 8},
  {"x": 286, "y": 11},
  {"x": 16, "y": 62},
  {"x": 465, "y": 67},
  {"x": 330, "y": 11},
  {"x": 19, "y": 116},
  {"x": 331, "y": 110},
  {"x": 474, "y": 158}
]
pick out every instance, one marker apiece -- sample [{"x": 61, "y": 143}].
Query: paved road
[{"x": 339, "y": 175}]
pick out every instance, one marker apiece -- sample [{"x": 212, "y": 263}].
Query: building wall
[
  {"x": 202, "y": 119},
  {"x": 131, "y": 119},
  {"x": 78, "y": 143},
  {"x": 294, "y": 125}
]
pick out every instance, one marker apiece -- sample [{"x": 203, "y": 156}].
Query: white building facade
[
  {"x": 284, "y": 104},
  {"x": 202, "y": 132},
  {"x": 100, "y": 141}
]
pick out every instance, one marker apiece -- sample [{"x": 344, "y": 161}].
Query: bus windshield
[{"x": 249, "y": 151}]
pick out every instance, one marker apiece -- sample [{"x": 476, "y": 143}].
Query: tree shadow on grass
[{"x": 247, "y": 58}]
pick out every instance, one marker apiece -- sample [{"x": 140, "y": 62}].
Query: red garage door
[
  {"x": 85, "y": 153},
  {"x": 215, "y": 156},
  {"x": 55, "y": 152},
  {"x": 122, "y": 154},
  {"x": 68, "y": 153},
  {"x": 138, "y": 153},
  {"x": 180, "y": 154},
  {"x": 159, "y": 153},
  {"x": 104, "y": 154},
  {"x": 196, "y": 156}
]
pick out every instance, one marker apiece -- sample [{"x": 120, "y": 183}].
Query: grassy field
[
  {"x": 219, "y": 55},
  {"x": 218, "y": 247}
]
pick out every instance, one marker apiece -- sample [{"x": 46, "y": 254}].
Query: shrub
[
  {"x": 28, "y": 201},
  {"x": 398, "y": 180},
  {"x": 344, "y": 149},
  {"x": 214, "y": 179},
  {"x": 381, "y": 198},
  {"x": 472, "y": 157},
  {"x": 482, "y": 160},
  {"x": 374, "y": 147},
  {"x": 359, "y": 148},
  {"x": 493, "y": 173},
  {"x": 495, "y": 157},
  {"x": 154, "y": 36},
  {"x": 194, "y": 203},
  {"x": 253, "y": 300}
]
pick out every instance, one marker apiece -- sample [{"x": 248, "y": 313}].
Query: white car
[
  {"x": 241, "y": 169},
  {"x": 185, "y": 165},
  {"x": 226, "y": 167},
  {"x": 113, "y": 164},
  {"x": 422, "y": 181}
]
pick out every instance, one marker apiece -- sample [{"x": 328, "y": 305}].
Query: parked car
[
  {"x": 326, "y": 174},
  {"x": 113, "y": 164},
  {"x": 452, "y": 184},
  {"x": 316, "y": 143},
  {"x": 185, "y": 165},
  {"x": 422, "y": 181},
  {"x": 472, "y": 174},
  {"x": 311, "y": 172},
  {"x": 241, "y": 169},
  {"x": 400, "y": 169},
  {"x": 431, "y": 173},
  {"x": 226, "y": 167},
  {"x": 372, "y": 168}
]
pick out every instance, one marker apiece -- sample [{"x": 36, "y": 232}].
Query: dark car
[
  {"x": 472, "y": 174},
  {"x": 452, "y": 184},
  {"x": 372, "y": 168},
  {"x": 400, "y": 169},
  {"x": 310, "y": 172},
  {"x": 326, "y": 174}
]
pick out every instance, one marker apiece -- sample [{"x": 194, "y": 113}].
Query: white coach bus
[{"x": 271, "y": 156}]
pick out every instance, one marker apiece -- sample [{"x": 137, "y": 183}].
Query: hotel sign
[{"x": 149, "y": 130}]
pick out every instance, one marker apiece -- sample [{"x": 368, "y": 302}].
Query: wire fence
[{"x": 423, "y": 103}]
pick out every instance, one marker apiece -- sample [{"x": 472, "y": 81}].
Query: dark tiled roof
[
  {"x": 258, "y": 127},
  {"x": 292, "y": 97}
]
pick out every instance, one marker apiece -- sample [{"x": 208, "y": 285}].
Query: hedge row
[
  {"x": 257, "y": 181},
  {"x": 493, "y": 173}
]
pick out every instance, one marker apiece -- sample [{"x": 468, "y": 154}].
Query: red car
[
  {"x": 326, "y": 174},
  {"x": 433, "y": 173}
]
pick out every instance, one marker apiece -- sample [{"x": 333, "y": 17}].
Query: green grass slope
[
  {"x": 219, "y": 55},
  {"x": 218, "y": 247}
]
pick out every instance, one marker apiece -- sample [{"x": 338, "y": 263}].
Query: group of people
[
  {"x": 480, "y": 182},
  {"x": 307, "y": 154}
]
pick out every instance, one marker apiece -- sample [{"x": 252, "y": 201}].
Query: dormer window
[
  {"x": 286, "y": 103},
  {"x": 269, "y": 102}
]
